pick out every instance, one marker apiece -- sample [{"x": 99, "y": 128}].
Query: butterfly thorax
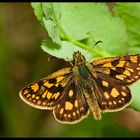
[
  {"x": 81, "y": 67},
  {"x": 78, "y": 58}
]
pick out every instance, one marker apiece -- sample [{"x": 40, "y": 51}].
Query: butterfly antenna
[
  {"x": 69, "y": 61},
  {"x": 97, "y": 43}
]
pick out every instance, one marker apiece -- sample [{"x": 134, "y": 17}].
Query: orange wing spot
[
  {"x": 59, "y": 78},
  {"x": 123, "y": 87},
  {"x": 69, "y": 115},
  {"x": 129, "y": 81},
  {"x": 110, "y": 103},
  {"x": 107, "y": 65},
  {"x": 65, "y": 115},
  {"x": 113, "y": 68},
  {"x": 124, "y": 76},
  {"x": 131, "y": 70},
  {"x": 28, "y": 95},
  {"x": 123, "y": 93},
  {"x": 139, "y": 73},
  {"x": 57, "y": 84},
  {"x": 71, "y": 93},
  {"x": 106, "y": 95},
  {"x": 119, "y": 77},
  {"x": 133, "y": 59},
  {"x": 121, "y": 63},
  {"x": 44, "y": 94},
  {"x": 81, "y": 109},
  {"x": 126, "y": 72},
  {"x": 44, "y": 103},
  {"x": 77, "y": 111},
  {"x": 68, "y": 105},
  {"x": 136, "y": 77},
  {"x": 55, "y": 95},
  {"x": 51, "y": 103},
  {"x": 120, "y": 101},
  {"x": 46, "y": 84},
  {"x": 114, "y": 92},
  {"x": 76, "y": 103},
  {"x": 61, "y": 110},
  {"x": 49, "y": 95},
  {"x": 35, "y": 87},
  {"x": 58, "y": 105},
  {"x": 34, "y": 100},
  {"x": 114, "y": 102},
  {"x": 39, "y": 102},
  {"x": 138, "y": 68},
  {"x": 104, "y": 103},
  {"x": 74, "y": 114},
  {"x": 37, "y": 97},
  {"x": 25, "y": 92},
  {"x": 33, "y": 96},
  {"x": 104, "y": 83}
]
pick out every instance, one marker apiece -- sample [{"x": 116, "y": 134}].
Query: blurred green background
[{"x": 22, "y": 61}]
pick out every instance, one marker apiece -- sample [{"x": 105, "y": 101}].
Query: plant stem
[{"x": 100, "y": 53}]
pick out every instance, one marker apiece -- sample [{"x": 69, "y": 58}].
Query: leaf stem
[{"x": 100, "y": 53}]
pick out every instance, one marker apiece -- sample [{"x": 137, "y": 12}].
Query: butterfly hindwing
[
  {"x": 45, "y": 93},
  {"x": 111, "y": 95},
  {"x": 126, "y": 69},
  {"x": 73, "y": 106}
]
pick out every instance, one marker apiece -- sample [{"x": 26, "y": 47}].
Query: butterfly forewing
[
  {"x": 45, "y": 93},
  {"x": 73, "y": 106},
  {"x": 126, "y": 69}
]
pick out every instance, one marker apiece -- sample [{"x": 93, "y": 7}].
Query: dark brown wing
[
  {"x": 125, "y": 69},
  {"x": 110, "y": 93},
  {"x": 45, "y": 93},
  {"x": 73, "y": 106}
]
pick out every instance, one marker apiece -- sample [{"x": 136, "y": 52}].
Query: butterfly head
[{"x": 78, "y": 58}]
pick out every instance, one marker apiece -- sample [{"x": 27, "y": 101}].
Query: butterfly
[{"x": 97, "y": 87}]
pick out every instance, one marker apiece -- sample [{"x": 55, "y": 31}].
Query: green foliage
[
  {"x": 69, "y": 31},
  {"x": 71, "y": 27},
  {"x": 38, "y": 10},
  {"x": 135, "y": 89},
  {"x": 129, "y": 12},
  {"x": 78, "y": 26},
  {"x": 132, "y": 23}
]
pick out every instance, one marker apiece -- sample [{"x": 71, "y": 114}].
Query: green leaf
[
  {"x": 77, "y": 26},
  {"x": 135, "y": 89},
  {"x": 65, "y": 51},
  {"x": 64, "y": 22},
  {"x": 130, "y": 13},
  {"x": 37, "y": 10},
  {"x": 50, "y": 21},
  {"x": 91, "y": 25},
  {"x": 53, "y": 30}
]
